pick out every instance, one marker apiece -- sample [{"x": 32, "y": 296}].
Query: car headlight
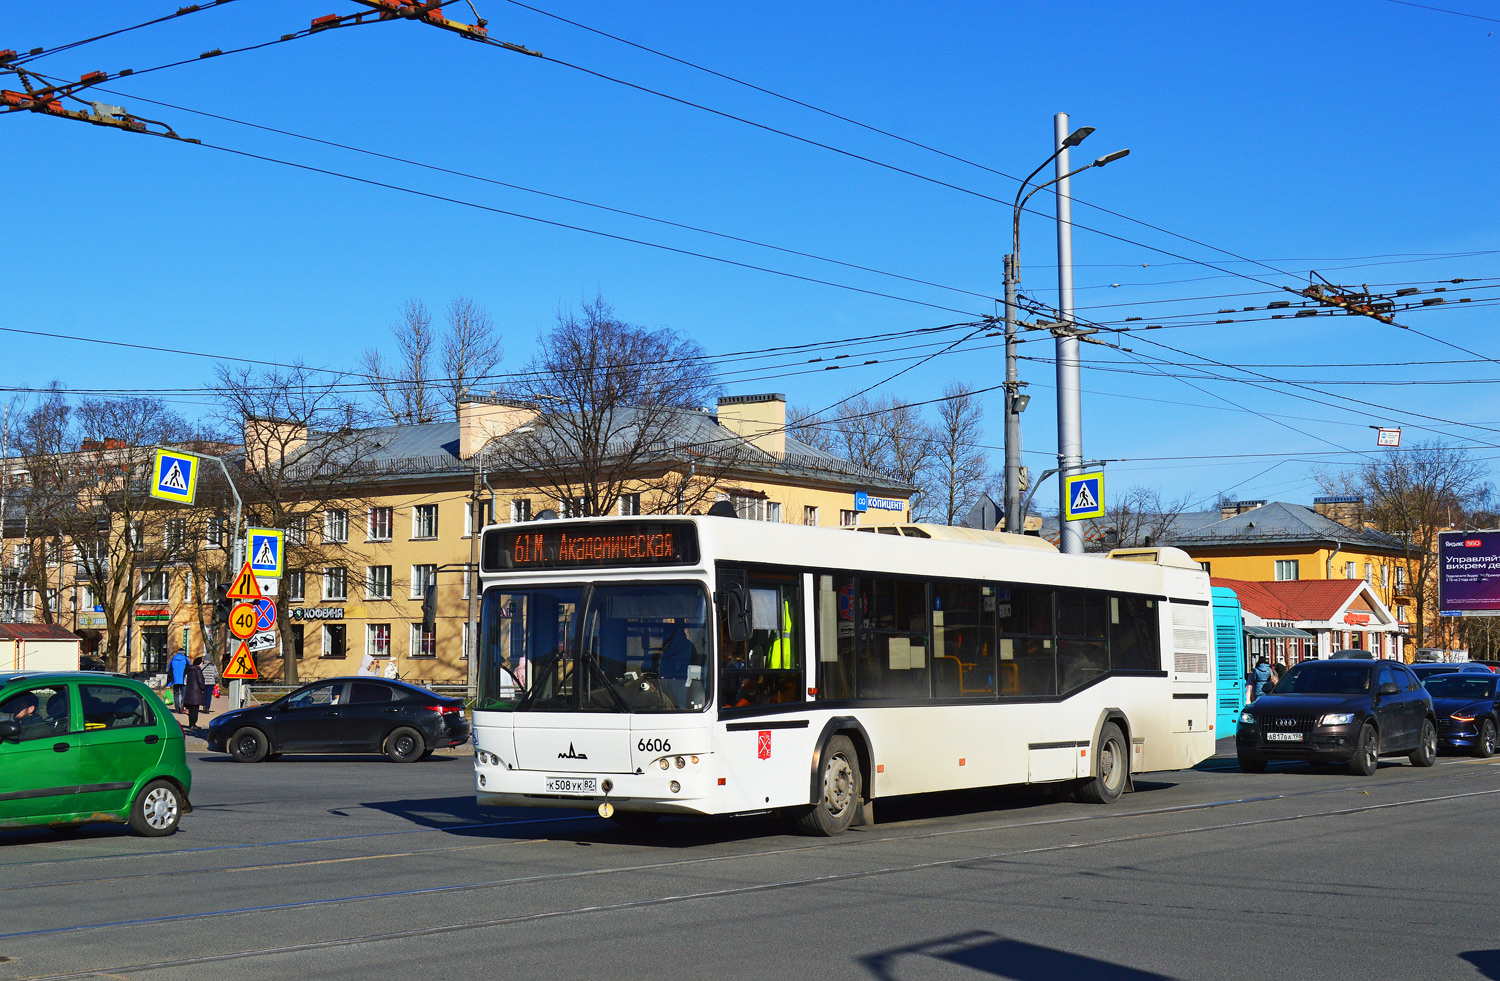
[
  {"x": 1461, "y": 718},
  {"x": 1247, "y": 718},
  {"x": 1336, "y": 719}
]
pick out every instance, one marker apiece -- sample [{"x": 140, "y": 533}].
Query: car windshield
[
  {"x": 1459, "y": 686},
  {"x": 1325, "y": 678},
  {"x": 638, "y": 647}
]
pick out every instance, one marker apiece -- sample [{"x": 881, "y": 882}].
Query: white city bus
[{"x": 711, "y": 665}]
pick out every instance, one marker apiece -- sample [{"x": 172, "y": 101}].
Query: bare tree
[
  {"x": 890, "y": 437},
  {"x": 1414, "y": 494},
  {"x": 615, "y": 405},
  {"x": 471, "y": 350},
  {"x": 803, "y": 424},
  {"x": 960, "y": 466},
  {"x": 407, "y": 391},
  {"x": 1141, "y": 517},
  {"x": 303, "y": 457}
]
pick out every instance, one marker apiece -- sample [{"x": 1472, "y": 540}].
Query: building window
[
  {"x": 1350, "y": 570},
  {"x": 810, "y": 515},
  {"x": 421, "y": 576},
  {"x": 295, "y": 639},
  {"x": 174, "y": 534},
  {"x": 378, "y": 582},
  {"x": 1400, "y": 578},
  {"x": 335, "y": 640},
  {"x": 335, "y": 583},
  {"x": 1205, "y": 566},
  {"x": 423, "y": 641},
  {"x": 379, "y": 529},
  {"x": 378, "y": 640},
  {"x": 187, "y": 586},
  {"x": 215, "y": 531},
  {"x": 1385, "y": 576},
  {"x": 630, "y": 504},
  {"x": 574, "y": 507},
  {"x": 520, "y": 510},
  {"x": 335, "y": 526},
  {"x": 1286, "y": 569},
  {"x": 848, "y": 519},
  {"x": 296, "y": 586},
  {"x": 154, "y": 587},
  {"x": 86, "y": 598},
  {"x": 296, "y": 531},
  {"x": 424, "y": 521},
  {"x": 134, "y": 537},
  {"x": 463, "y": 655},
  {"x": 486, "y": 516},
  {"x": 773, "y": 511},
  {"x": 748, "y": 506},
  {"x": 1369, "y": 572},
  {"x": 1401, "y": 613}
]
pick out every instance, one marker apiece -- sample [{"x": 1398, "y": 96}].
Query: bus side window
[
  {"x": 834, "y": 609},
  {"x": 767, "y": 668},
  {"x": 1028, "y": 652},
  {"x": 963, "y": 640}
]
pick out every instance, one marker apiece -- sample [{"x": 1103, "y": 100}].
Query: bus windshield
[{"x": 637, "y": 647}]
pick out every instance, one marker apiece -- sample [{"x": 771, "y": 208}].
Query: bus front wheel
[
  {"x": 841, "y": 786},
  {"x": 1111, "y": 763}
]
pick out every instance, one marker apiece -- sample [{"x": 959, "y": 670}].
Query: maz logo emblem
[{"x": 572, "y": 754}]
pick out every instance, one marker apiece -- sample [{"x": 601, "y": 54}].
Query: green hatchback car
[{"x": 78, "y": 747}]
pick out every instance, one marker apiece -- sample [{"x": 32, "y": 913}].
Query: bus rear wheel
[
  {"x": 841, "y": 786},
  {"x": 1111, "y": 764}
]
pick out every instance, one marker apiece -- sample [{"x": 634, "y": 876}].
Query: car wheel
[
  {"x": 1485, "y": 747},
  {"x": 157, "y": 809},
  {"x": 1366, "y": 752},
  {"x": 405, "y": 745},
  {"x": 842, "y": 786},
  {"x": 1113, "y": 762},
  {"x": 248, "y": 745},
  {"x": 1426, "y": 752},
  {"x": 1252, "y": 764}
]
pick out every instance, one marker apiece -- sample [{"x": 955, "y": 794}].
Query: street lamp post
[{"x": 1015, "y": 402}]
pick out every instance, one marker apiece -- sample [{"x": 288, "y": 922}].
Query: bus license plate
[
  {"x": 1284, "y": 737},
  {"x": 572, "y": 785}
]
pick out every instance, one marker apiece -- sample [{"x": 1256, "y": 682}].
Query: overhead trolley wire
[{"x": 36, "y": 53}]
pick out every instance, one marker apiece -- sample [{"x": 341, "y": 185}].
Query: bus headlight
[
  {"x": 676, "y": 787},
  {"x": 681, "y": 762},
  {"x": 486, "y": 758},
  {"x": 664, "y": 764}
]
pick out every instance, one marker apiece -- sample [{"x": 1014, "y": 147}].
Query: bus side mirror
[{"x": 734, "y": 600}]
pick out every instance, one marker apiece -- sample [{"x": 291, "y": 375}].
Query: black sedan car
[
  {"x": 1344, "y": 711},
  {"x": 1433, "y": 668},
  {"x": 1468, "y": 718},
  {"x": 343, "y": 715}
]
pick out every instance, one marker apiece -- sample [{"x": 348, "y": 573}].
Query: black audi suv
[{"x": 1340, "y": 711}]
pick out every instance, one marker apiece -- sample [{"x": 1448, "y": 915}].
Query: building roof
[
  {"x": 1296, "y": 599},
  {"x": 35, "y": 631},
  {"x": 1096, "y": 530},
  {"x": 432, "y": 449},
  {"x": 1280, "y": 523}
]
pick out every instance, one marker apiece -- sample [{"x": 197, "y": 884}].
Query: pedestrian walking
[
  {"x": 195, "y": 687},
  {"x": 177, "y": 676},
  {"x": 1257, "y": 678}
]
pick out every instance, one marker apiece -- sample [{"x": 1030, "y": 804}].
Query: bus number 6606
[{"x": 654, "y": 746}]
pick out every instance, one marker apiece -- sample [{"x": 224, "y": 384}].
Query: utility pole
[
  {"x": 1015, "y": 517},
  {"x": 1069, "y": 382},
  {"x": 471, "y": 581}
]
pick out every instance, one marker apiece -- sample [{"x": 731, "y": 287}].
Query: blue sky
[{"x": 1309, "y": 136}]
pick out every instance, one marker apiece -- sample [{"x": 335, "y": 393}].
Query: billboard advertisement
[{"x": 1469, "y": 573}]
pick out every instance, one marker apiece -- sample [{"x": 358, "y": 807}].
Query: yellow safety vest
[{"x": 781, "y": 649}]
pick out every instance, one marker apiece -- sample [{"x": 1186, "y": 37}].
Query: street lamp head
[
  {"x": 1078, "y": 136},
  {"x": 1111, "y": 157}
]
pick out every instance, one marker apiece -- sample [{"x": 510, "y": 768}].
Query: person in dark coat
[{"x": 195, "y": 695}]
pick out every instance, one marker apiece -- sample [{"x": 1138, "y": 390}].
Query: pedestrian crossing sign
[
  {"x": 242, "y": 666},
  {"x": 174, "y": 476},
  {"x": 265, "y": 552},
  {"x": 1084, "y": 497}
]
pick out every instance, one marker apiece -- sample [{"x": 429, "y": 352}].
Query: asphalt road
[{"x": 359, "y": 868}]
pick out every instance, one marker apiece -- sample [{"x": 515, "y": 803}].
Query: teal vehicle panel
[{"x": 1229, "y": 660}]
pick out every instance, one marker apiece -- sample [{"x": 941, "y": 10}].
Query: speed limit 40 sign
[{"x": 242, "y": 620}]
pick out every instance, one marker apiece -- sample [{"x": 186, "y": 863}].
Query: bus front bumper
[{"x": 651, "y": 791}]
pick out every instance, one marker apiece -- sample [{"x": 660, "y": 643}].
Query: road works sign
[
  {"x": 242, "y": 665},
  {"x": 1085, "y": 496},
  {"x": 265, "y": 552},
  {"x": 174, "y": 477}
]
